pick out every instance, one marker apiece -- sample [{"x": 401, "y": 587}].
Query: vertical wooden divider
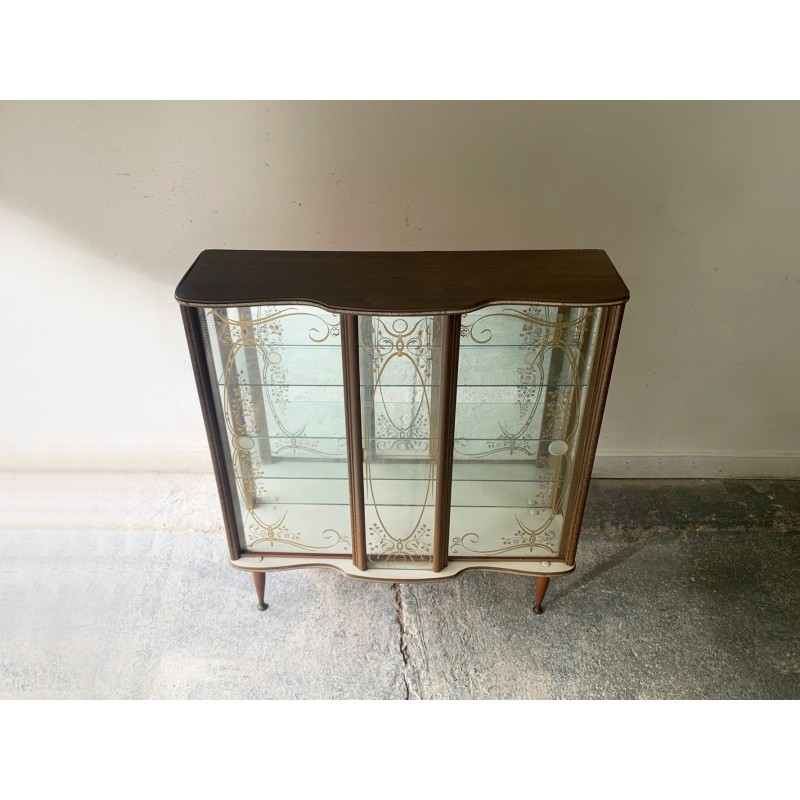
[
  {"x": 451, "y": 334},
  {"x": 355, "y": 442}
]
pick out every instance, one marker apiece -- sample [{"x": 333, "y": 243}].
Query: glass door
[
  {"x": 399, "y": 363},
  {"x": 522, "y": 376},
  {"x": 280, "y": 401}
]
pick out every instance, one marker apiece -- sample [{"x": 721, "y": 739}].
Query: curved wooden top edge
[{"x": 401, "y": 282}]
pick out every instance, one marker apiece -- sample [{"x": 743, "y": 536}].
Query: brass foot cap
[
  {"x": 538, "y": 610},
  {"x": 262, "y": 606}
]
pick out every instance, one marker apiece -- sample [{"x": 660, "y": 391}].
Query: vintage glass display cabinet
[{"x": 403, "y": 416}]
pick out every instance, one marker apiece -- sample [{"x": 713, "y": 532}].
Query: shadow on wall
[{"x": 149, "y": 185}]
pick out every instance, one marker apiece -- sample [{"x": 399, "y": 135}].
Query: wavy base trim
[{"x": 452, "y": 570}]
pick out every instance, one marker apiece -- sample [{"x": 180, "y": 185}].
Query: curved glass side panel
[
  {"x": 522, "y": 377},
  {"x": 400, "y": 363},
  {"x": 280, "y": 399}
]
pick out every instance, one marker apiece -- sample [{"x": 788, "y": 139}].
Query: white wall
[{"x": 103, "y": 206}]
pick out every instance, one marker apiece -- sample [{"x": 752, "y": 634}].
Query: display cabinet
[{"x": 403, "y": 416}]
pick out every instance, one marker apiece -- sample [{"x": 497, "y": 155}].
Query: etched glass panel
[
  {"x": 400, "y": 362},
  {"x": 522, "y": 377},
  {"x": 280, "y": 398}
]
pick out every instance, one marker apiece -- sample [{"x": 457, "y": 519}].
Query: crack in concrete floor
[{"x": 400, "y": 616}]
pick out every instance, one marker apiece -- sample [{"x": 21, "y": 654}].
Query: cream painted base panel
[{"x": 345, "y": 566}]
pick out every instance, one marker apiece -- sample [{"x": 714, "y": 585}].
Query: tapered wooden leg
[
  {"x": 541, "y": 587},
  {"x": 260, "y": 580}
]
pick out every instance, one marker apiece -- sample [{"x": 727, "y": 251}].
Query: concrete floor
[{"x": 684, "y": 589}]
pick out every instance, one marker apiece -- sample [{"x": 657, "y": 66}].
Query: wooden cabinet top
[{"x": 404, "y": 282}]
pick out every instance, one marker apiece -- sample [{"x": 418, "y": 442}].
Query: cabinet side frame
[
  {"x": 219, "y": 456},
  {"x": 355, "y": 441},
  {"x": 451, "y": 337},
  {"x": 589, "y": 435}
]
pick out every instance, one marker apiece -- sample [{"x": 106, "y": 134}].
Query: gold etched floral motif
[
  {"x": 524, "y": 538},
  {"x": 416, "y": 544},
  {"x": 399, "y": 356},
  {"x": 242, "y": 340},
  {"x": 278, "y": 533},
  {"x": 552, "y": 345}
]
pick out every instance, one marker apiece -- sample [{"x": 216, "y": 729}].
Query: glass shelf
[
  {"x": 385, "y": 492},
  {"x": 467, "y": 472},
  {"x": 257, "y": 345},
  {"x": 300, "y": 414},
  {"x": 251, "y": 441},
  {"x": 404, "y": 386},
  {"x": 471, "y": 471}
]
